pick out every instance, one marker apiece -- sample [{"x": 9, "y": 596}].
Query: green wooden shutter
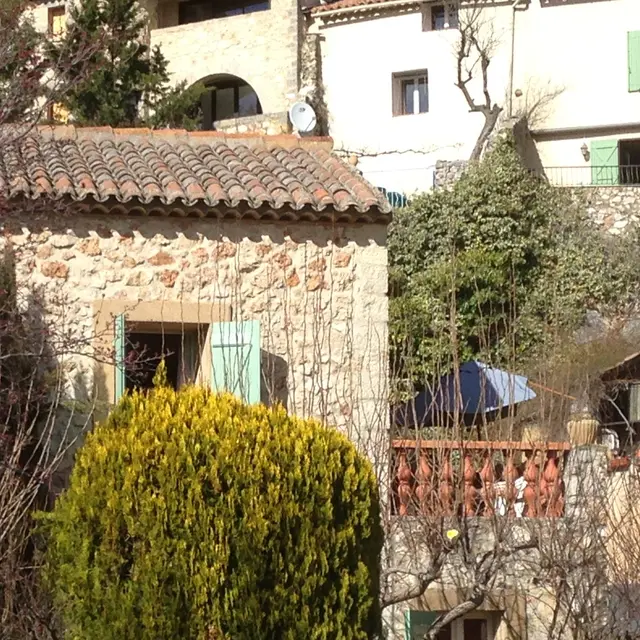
[
  {"x": 604, "y": 162},
  {"x": 417, "y": 623},
  {"x": 235, "y": 358},
  {"x": 120, "y": 355},
  {"x": 634, "y": 403},
  {"x": 633, "y": 54}
]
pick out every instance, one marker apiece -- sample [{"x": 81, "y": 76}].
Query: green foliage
[
  {"x": 22, "y": 65},
  {"x": 191, "y": 515},
  {"x": 128, "y": 84},
  {"x": 495, "y": 266}
]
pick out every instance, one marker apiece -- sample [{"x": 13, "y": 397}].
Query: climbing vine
[{"x": 497, "y": 265}]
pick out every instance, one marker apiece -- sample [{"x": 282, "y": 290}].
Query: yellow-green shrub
[{"x": 191, "y": 515}]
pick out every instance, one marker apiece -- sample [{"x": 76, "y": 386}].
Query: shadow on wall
[
  {"x": 526, "y": 147},
  {"x": 275, "y": 373}
]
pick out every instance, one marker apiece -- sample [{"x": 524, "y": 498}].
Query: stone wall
[
  {"x": 448, "y": 172},
  {"x": 262, "y": 48},
  {"x": 614, "y": 208},
  {"x": 319, "y": 292},
  {"x": 270, "y": 124}
]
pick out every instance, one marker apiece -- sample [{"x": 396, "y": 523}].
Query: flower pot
[{"x": 582, "y": 430}]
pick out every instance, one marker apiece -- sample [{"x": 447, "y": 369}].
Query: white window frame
[
  {"x": 450, "y": 10},
  {"x": 398, "y": 79}
]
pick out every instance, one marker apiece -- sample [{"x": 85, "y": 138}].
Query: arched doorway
[{"x": 228, "y": 97}]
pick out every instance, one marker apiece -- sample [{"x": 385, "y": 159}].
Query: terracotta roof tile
[
  {"x": 215, "y": 173},
  {"x": 354, "y": 4}
]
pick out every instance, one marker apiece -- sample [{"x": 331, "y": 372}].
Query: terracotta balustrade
[{"x": 485, "y": 478}]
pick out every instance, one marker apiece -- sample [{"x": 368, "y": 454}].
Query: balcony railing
[
  {"x": 596, "y": 176},
  {"x": 479, "y": 478}
]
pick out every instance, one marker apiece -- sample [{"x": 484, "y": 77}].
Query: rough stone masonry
[{"x": 320, "y": 293}]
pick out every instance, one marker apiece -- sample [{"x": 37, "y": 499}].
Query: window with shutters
[
  {"x": 224, "y": 355},
  {"x": 633, "y": 54},
  {"x": 142, "y": 346}
]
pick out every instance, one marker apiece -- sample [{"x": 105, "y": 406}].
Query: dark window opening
[
  {"x": 229, "y": 99},
  {"x": 443, "y": 16},
  {"x": 444, "y": 633},
  {"x": 619, "y": 416},
  {"x": 200, "y": 10},
  {"x": 144, "y": 352},
  {"x": 410, "y": 93},
  {"x": 629, "y": 151},
  {"x": 475, "y": 629}
]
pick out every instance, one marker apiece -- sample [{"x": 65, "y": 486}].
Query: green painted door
[
  {"x": 235, "y": 358},
  {"x": 604, "y": 162}
]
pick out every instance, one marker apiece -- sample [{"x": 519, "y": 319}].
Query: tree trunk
[
  {"x": 457, "y": 612},
  {"x": 490, "y": 120}
]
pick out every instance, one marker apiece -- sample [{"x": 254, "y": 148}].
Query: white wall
[
  {"x": 581, "y": 47},
  {"x": 359, "y": 59}
]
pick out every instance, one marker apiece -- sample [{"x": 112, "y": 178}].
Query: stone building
[
  {"x": 253, "y": 263},
  {"x": 254, "y": 56}
]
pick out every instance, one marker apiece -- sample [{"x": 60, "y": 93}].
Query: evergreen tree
[
  {"x": 191, "y": 515},
  {"x": 129, "y": 84},
  {"x": 22, "y": 65}
]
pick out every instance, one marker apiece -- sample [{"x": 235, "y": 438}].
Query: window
[
  {"x": 476, "y": 626},
  {"x": 144, "y": 349},
  {"x": 437, "y": 17},
  {"x": 629, "y": 157},
  {"x": 225, "y": 355},
  {"x": 410, "y": 93},
  {"x": 56, "y": 21},
  {"x": 615, "y": 162},
  {"x": 633, "y": 54},
  {"x": 230, "y": 98},
  {"x": 200, "y": 10},
  {"x": 58, "y": 113}
]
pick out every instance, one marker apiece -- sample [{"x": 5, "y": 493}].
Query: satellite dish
[{"x": 303, "y": 117}]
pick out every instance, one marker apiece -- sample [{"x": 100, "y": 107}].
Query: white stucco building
[{"x": 389, "y": 73}]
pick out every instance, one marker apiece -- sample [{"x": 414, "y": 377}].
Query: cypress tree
[
  {"x": 191, "y": 515},
  {"x": 129, "y": 84}
]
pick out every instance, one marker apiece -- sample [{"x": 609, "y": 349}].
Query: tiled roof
[
  {"x": 353, "y": 4},
  {"x": 207, "y": 173}
]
